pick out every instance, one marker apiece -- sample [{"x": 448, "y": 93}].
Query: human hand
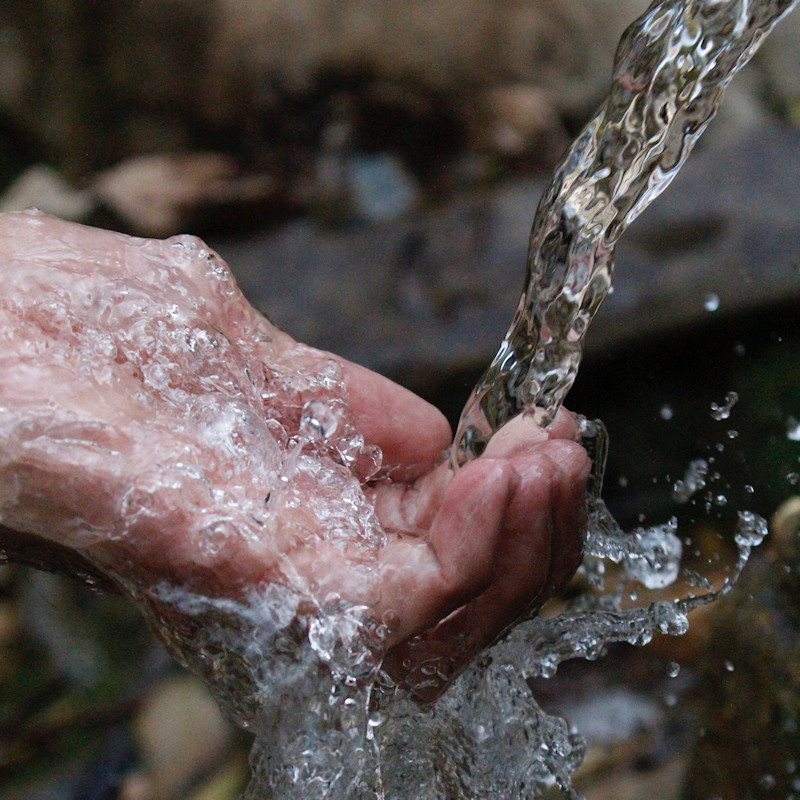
[{"x": 151, "y": 420}]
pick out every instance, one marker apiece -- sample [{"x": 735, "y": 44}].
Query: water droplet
[
  {"x": 622, "y": 481},
  {"x": 792, "y": 429},
  {"x": 767, "y": 781},
  {"x": 375, "y": 719},
  {"x": 666, "y": 412},
  {"x": 693, "y": 481},
  {"x": 653, "y": 556},
  {"x": 750, "y": 530},
  {"x": 720, "y": 412},
  {"x": 711, "y": 301},
  {"x": 214, "y": 536},
  {"x": 391, "y": 620},
  {"x": 670, "y": 700},
  {"x": 729, "y": 667},
  {"x": 793, "y": 478},
  {"x": 673, "y": 669}
]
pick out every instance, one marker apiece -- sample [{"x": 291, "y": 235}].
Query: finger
[
  {"x": 539, "y": 551},
  {"x": 523, "y": 432},
  {"x": 517, "y": 436},
  {"x": 566, "y": 425},
  {"x": 425, "y": 580},
  {"x": 570, "y": 500},
  {"x": 412, "y": 433},
  {"x": 409, "y": 507}
]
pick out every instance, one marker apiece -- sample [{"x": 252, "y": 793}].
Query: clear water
[
  {"x": 671, "y": 68},
  {"x": 328, "y": 722}
]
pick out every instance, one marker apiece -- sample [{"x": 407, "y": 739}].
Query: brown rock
[
  {"x": 749, "y": 741},
  {"x": 160, "y": 195}
]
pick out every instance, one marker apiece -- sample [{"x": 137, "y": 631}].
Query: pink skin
[{"x": 92, "y": 412}]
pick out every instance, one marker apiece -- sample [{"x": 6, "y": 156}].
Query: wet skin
[{"x": 122, "y": 435}]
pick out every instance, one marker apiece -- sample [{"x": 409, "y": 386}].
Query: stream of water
[
  {"x": 670, "y": 71},
  {"x": 328, "y": 722}
]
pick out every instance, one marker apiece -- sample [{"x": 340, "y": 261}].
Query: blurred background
[{"x": 370, "y": 171}]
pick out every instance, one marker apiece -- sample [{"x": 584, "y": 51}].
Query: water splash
[
  {"x": 329, "y": 723},
  {"x": 693, "y": 481},
  {"x": 723, "y": 411}
]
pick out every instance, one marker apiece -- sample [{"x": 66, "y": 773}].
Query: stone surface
[
  {"x": 157, "y": 195},
  {"x": 43, "y": 187}
]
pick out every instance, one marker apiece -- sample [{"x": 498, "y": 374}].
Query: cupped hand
[{"x": 153, "y": 421}]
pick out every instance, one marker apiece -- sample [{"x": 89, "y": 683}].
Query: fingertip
[
  {"x": 522, "y": 432},
  {"x": 570, "y": 457},
  {"x": 566, "y": 425},
  {"x": 516, "y": 436}
]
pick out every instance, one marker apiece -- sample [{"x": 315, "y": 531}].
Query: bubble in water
[
  {"x": 729, "y": 667},
  {"x": 319, "y": 419},
  {"x": 711, "y": 301},
  {"x": 723, "y": 411},
  {"x": 666, "y": 412},
  {"x": 792, "y": 430}
]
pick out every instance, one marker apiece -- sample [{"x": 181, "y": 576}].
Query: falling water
[
  {"x": 328, "y": 722},
  {"x": 671, "y": 68}
]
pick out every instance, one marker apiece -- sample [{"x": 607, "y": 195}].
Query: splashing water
[{"x": 329, "y": 723}]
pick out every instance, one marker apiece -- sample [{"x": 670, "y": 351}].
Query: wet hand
[{"x": 151, "y": 420}]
